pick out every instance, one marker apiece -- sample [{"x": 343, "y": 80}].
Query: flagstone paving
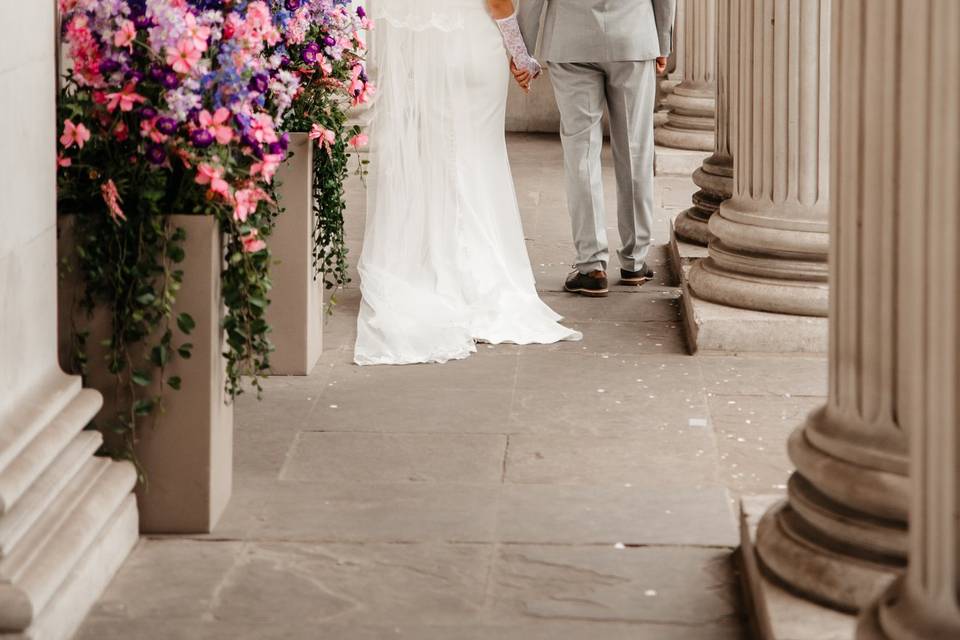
[{"x": 579, "y": 491}]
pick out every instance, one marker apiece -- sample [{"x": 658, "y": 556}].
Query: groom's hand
[
  {"x": 661, "y": 65},
  {"x": 522, "y": 77}
]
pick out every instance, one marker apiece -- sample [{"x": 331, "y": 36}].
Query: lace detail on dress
[{"x": 419, "y": 15}]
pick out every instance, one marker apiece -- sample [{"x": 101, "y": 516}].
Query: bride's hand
[{"x": 522, "y": 76}]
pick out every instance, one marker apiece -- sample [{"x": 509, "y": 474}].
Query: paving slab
[
  {"x": 399, "y": 512},
  {"x": 607, "y": 515},
  {"x": 657, "y": 458},
  {"x": 372, "y": 458},
  {"x": 684, "y": 586}
]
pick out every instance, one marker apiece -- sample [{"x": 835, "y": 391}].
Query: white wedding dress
[{"x": 444, "y": 264}]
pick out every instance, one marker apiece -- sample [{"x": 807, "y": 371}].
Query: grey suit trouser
[{"x": 629, "y": 90}]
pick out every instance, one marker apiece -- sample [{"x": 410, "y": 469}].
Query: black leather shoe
[
  {"x": 593, "y": 284},
  {"x": 636, "y": 278}
]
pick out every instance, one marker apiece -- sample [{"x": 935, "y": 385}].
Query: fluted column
[
  {"x": 715, "y": 176},
  {"x": 918, "y": 40},
  {"x": 691, "y": 104},
  {"x": 841, "y": 536},
  {"x": 771, "y": 238},
  {"x": 674, "y": 74}
]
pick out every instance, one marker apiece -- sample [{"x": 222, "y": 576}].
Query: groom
[{"x": 605, "y": 52}]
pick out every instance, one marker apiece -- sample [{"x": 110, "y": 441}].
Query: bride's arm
[{"x": 503, "y": 12}]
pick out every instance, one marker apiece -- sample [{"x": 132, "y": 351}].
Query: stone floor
[{"x": 580, "y": 491}]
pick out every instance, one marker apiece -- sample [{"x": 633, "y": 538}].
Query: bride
[{"x": 444, "y": 264}]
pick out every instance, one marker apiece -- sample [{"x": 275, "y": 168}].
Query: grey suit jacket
[{"x": 599, "y": 30}]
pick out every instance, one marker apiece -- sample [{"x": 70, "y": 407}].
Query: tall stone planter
[
  {"x": 296, "y": 300},
  {"x": 186, "y": 451}
]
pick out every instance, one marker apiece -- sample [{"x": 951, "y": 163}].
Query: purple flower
[
  {"x": 148, "y": 113},
  {"x": 259, "y": 83},
  {"x": 134, "y": 75},
  {"x": 277, "y": 149},
  {"x": 156, "y": 72},
  {"x": 108, "y": 66},
  {"x": 292, "y": 5},
  {"x": 167, "y": 126},
  {"x": 329, "y": 41},
  {"x": 201, "y": 138},
  {"x": 170, "y": 80},
  {"x": 310, "y": 53},
  {"x": 156, "y": 154},
  {"x": 361, "y": 12}
]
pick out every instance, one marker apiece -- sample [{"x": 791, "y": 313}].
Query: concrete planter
[
  {"x": 296, "y": 301},
  {"x": 187, "y": 450}
]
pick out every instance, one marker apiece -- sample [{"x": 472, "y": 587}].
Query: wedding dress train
[{"x": 444, "y": 264}]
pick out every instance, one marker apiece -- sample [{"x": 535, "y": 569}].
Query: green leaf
[
  {"x": 174, "y": 382},
  {"x": 146, "y": 298},
  {"x": 143, "y": 407},
  {"x": 141, "y": 378},
  {"x": 159, "y": 355},
  {"x": 186, "y": 323},
  {"x": 185, "y": 350}
]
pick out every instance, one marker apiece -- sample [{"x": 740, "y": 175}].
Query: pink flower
[
  {"x": 325, "y": 136},
  {"x": 110, "y": 196},
  {"x": 359, "y": 140},
  {"x": 124, "y": 99},
  {"x": 213, "y": 176},
  {"x": 261, "y": 126},
  {"x": 197, "y": 35},
  {"x": 74, "y": 134},
  {"x": 215, "y": 124},
  {"x": 63, "y": 161},
  {"x": 251, "y": 243},
  {"x": 184, "y": 57},
  {"x": 267, "y": 167},
  {"x": 246, "y": 201},
  {"x": 125, "y": 35}
]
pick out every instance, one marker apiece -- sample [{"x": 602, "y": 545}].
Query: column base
[
  {"x": 691, "y": 226},
  {"x": 715, "y": 179},
  {"x": 717, "y": 328},
  {"x": 825, "y": 571},
  {"x": 897, "y": 616},
  {"x": 712, "y": 282},
  {"x": 775, "y": 612}
]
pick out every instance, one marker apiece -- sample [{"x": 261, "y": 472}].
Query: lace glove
[{"x": 513, "y": 41}]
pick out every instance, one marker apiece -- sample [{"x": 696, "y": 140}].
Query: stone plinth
[
  {"x": 67, "y": 518},
  {"x": 296, "y": 312},
  {"x": 186, "y": 450}
]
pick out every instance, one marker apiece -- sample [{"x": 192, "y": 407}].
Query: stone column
[
  {"x": 916, "y": 115},
  {"x": 715, "y": 176},
  {"x": 689, "y": 122},
  {"x": 771, "y": 238},
  {"x": 67, "y": 518},
  {"x": 674, "y": 74}
]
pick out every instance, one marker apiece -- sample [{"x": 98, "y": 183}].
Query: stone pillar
[
  {"x": 674, "y": 75},
  {"x": 771, "y": 238},
  {"x": 914, "y": 116},
  {"x": 715, "y": 176},
  {"x": 67, "y": 518},
  {"x": 690, "y": 121}
]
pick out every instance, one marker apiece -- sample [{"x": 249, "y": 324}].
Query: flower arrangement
[
  {"x": 322, "y": 46},
  {"x": 171, "y": 106}
]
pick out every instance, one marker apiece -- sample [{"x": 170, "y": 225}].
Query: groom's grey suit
[{"x": 602, "y": 52}]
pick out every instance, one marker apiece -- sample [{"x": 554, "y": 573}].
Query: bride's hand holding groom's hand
[{"x": 522, "y": 76}]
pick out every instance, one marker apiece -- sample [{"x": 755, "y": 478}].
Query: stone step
[
  {"x": 39, "y": 565},
  {"x": 33, "y": 414},
  {"x": 35, "y": 502},
  {"x": 48, "y": 442},
  {"x": 87, "y": 580}
]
